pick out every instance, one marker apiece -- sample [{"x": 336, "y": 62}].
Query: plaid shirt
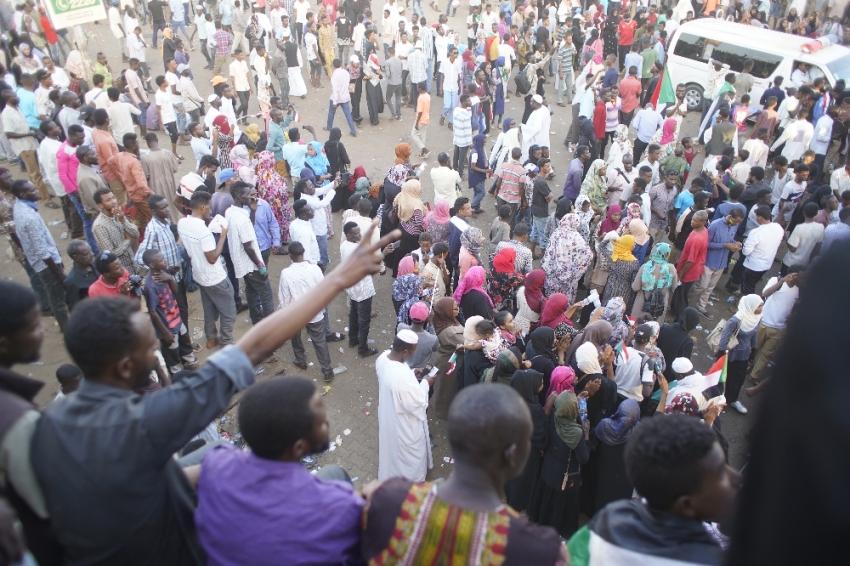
[
  {"x": 417, "y": 64},
  {"x": 109, "y": 235},
  {"x": 223, "y": 42},
  {"x": 158, "y": 236}
]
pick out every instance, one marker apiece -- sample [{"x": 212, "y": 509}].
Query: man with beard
[
  {"x": 104, "y": 456},
  {"x": 292, "y": 513}
]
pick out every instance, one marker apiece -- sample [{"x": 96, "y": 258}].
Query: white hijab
[
  {"x": 747, "y": 312},
  {"x": 587, "y": 358}
]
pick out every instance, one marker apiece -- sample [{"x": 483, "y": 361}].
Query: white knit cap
[
  {"x": 682, "y": 365},
  {"x": 408, "y": 336}
]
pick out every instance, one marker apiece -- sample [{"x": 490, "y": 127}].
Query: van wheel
[{"x": 693, "y": 97}]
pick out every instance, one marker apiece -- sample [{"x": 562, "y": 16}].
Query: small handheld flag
[{"x": 452, "y": 364}]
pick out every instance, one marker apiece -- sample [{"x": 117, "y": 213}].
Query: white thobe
[
  {"x": 297, "y": 87},
  {"x": 404, "y": 446},
  {"x": 536, "y": 130}
]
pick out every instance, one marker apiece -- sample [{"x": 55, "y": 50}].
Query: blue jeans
[
  {"x": 449, "y": 103},
  {"x": 181, "y": 118},
  {"x": 524, "y": 217},
  {"x": 538, "y": 231},
  {"x": 177, "y": 26},
  {"x": 417, "y": 7},
  {"x": 38, "y": 287},
  {"x": 449, "y": 7},
  {"x": 87, "y": 224},
  {"x": 323, "y": 246},
  {"x": 346, "y": 109},
  {"x": 477, "y": 195},
  {"x": 386, "y": 47}
]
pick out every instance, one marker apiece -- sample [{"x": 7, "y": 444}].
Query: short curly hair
[{"x": 663, "y": 457}]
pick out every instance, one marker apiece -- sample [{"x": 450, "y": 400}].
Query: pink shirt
[
  {"x": 466, "y": 261},
  {"x": 67, "y": 165}
]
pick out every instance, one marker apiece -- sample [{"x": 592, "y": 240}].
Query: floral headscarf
[
  {"x": 683, "y": 403},
  {"x": 633, "y": 212},
  {"x": 613, "y": 314},
  {"x": 406, "y": 291},
  {"x": 594, "y": 185},
  {"x": 472, "y": 239},
  {"x": 584, "y": 217},
  {"x": 658, "y": 272}
]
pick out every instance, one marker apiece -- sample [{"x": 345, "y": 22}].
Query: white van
[{"x": 774, "y": 53}]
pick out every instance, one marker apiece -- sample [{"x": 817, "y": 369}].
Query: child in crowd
[
  {"x": 500, "y": 229},
  {"x": 741, "y": 170},
  {"x": 426, "y": 241},
  {"x": 69, "y": 377},
  {"x": 160, "y": 291}
]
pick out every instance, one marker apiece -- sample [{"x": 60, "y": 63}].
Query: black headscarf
[
  {"x": 674, "y": 341},
  {"x": 802, "y": 458},
  {"x": 527, "y": 382},
  {"x": 542, "y": 343}
]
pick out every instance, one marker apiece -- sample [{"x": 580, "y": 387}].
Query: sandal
[{"x": 196, "y": 348}]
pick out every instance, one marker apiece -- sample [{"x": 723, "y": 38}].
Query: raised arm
[{"x": 273, "y": 332}]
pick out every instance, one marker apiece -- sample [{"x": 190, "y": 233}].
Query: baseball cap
[
  {"x": 531, "y": 168},
  {"x": 643, "y": 333},
  {"x": 212, "y": 98},
  {"x": 182, "y": 67},
  {"x": 86, "y": 110},
  {"x": 225, "y": 175},
  {"x": 419, "y": 311}
]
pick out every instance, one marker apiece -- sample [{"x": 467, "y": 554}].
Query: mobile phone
[{"x": 433, "y": 371}]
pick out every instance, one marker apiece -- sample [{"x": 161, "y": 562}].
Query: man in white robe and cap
[
  {"x": 404, "y": 446},
  {"x": 294, "y": 64},
  {"x": 536, "y": 130}
]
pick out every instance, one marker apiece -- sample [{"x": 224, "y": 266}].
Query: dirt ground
[{"x": 353, "y": 397}]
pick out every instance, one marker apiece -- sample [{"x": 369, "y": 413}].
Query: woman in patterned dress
[
  {"x": 566, "y": 259},
  {"x": 271, "y": 187},
  {"x": 624, "y": 266},
  {"x": 504, "y": 281}
]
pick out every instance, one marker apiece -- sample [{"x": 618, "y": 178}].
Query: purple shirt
[
  {"x": 572, "y": 186},
  {"x": 266, "y": 512}
]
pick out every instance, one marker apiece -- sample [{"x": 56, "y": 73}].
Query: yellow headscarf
[{"x": 623, "y": 249}]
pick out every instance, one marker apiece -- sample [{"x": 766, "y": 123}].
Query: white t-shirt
[
  {"x": 115, "y": 22},
  {"x": 403, "y": 50},
  {"x": 200, "y": 147},
  {"x": 777, "y": 307},
  {"x": 451, "y": 71},
  {"x": 311, "y": 44},
  {"x": 508, "y": 53},
  {"x": 301, "y": 9},
  {"x": 166, "y": 106},
  {"x": 804, "y": 237},
  {"x": 445, "y": 179},
  {"x": 792, "y": 190},
  {"x": 628, "y": 376},
  {"x": 239, "y": 72},
  {"x": 197, "y": 239},
  {"x": 761, "y": 246}
]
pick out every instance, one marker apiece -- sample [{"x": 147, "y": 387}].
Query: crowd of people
[{"x": 567, "y": 327}]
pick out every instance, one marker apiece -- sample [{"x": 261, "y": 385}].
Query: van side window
[{"x": 700, "y": 49}]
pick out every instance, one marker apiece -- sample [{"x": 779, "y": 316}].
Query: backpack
[
  {"x": 523, "y": 85},
  {"x": 713, "y": 338},
  {"x": 656, "y": 303}
]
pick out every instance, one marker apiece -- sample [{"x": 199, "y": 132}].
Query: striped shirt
[
  {"x": 462, "y": 120},
  {"x": 512, "y": 175},
  {"x": 158, "y": 236}
]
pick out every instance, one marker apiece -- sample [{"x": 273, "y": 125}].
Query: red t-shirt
[
  {"x": 600, "y": 113},
  {"x": 630, "y": 90},
  {"x": 101, "y": 289},
  {"x": 696, "y": 248},
  {"x": 627, "y": 32}
]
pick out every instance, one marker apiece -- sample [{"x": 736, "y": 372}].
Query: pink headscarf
[
  {"x": 668, "y": 133},
  {"x": 473, "y": 280},
  {"x": 440, "y": 214},
  {"x": 563, "y": 378},
  {"x": 405, "y": 266}
]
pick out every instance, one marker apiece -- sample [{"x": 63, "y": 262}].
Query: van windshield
[{"x": 840, "y": 68}]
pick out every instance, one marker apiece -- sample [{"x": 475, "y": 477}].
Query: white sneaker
[{"x": 739, "y": 407}]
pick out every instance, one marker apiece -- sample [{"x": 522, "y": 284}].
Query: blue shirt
[
  {"x": 28, "y": 106},
  {"x": 683, "y": 201},
  {"x": 572, "y": 186},
  {"x": 725, "y": 208},
  {"x": 276, "y": 140},
  {"x": 777, "y": 92},
  {"x": 265, "y": 226},
  {"x": 719, "y": 233},
  {"x": 646, "y": 123},
  {"x": 294, "y": 153},
  {"x": 610, "y": 78}
]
